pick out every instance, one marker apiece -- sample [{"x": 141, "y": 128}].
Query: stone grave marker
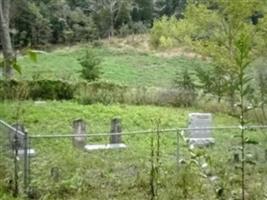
[
  {"x": 115, "y": 137},
  {"x": 79, "y": 132},
  {"x": 200, "y": 138}
]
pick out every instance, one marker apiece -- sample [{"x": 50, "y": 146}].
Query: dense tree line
[{"x": 41, "y": 22}]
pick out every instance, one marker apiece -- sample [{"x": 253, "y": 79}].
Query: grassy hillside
[{"x": 130, "y": 66}]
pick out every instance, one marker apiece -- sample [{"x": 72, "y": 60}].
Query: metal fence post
[
  {"x": 178, "y": 149},
  {"x": 16, "y": 176},
  {"x": 26, "y": 166}
]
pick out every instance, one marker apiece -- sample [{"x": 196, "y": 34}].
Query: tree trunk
[{"x": 5, "y": 37}]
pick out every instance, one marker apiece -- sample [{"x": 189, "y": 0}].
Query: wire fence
[
  {"x": 14, "y": 158},
  {"x": 157, "y": 162}
]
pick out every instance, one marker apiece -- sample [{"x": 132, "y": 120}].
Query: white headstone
[{"x": 198, "y": 129}]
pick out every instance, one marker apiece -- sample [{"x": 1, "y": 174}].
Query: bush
[
  {"x": 95, "y": 92},
  {"x": 50, "y": 89},
  {"x": 100, "y": 92},
  {"x": 133, "y": 28},
  {"x": 110, "y": 93},
  {"x": 38, "y": 89}
]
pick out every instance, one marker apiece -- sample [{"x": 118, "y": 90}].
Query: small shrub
[
  {"x": 37, "y": 89},
  {"x": 133, "y": 28},
  {"x": 100, "y": 92},
  {"x": 124, "y": 30},
  {"x": 50, "y": 89},
  {"x": 187, "y": 88},
  {"x": 139, "y": 28},
  {"x": 90, "y": 66}
]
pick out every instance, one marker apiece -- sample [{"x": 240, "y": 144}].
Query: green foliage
[
  {"x": 213, "y": 81},
  {"x": 261, "y": 88},
  {"x": 109, "y": 93},
  {"x": 132, "y": 28},
  {"x": 143, "y": 11},
  {"x": 170, "y": 32},
  {"x": 40, "y": 23},
  {"x": 33, "y": 28},
  {"x": 184, "y": 80},
  {"x": 31, "y": 54},
  {"x": 162, "y": 31},
  {"x": 100, "y": 92},
  {"x": 214, "y": 29},
  {"x": 90, "y": 66}
]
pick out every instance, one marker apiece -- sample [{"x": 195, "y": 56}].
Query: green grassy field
[
  {"x": 120, "y": 65},
  {"x": 57, "y": 116},
  {"x": 126, "y": 174}
]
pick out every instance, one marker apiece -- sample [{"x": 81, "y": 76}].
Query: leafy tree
[
  {"x": 144, "y": 11},
  {"x": 82, "y": 26},
  {"x": 212, "y": 81},
  {"x": 261, "y": 77},
  {"x": 110, "y": 13},
  {"x": 168, "y": 7},
  {"x": 58, "y": 12},
  {"x": 32, "y": 27},
  {"x": 184, "y": 80}
]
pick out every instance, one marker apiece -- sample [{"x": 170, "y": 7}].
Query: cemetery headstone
[
  {"x": 198, "y": 133},
  {"x": 115, "y": 137},
  {"x": 79, "y": 132}
]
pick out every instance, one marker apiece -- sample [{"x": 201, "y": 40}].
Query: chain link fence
[{"x": 149, "y": 164}]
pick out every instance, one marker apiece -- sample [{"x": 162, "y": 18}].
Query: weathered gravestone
[
  {"x": 79, "y": 132},
  {"x": 115, "y": 137},
  {"x": 17, "y": 137},
  {"x": 199, "y": 134}
]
